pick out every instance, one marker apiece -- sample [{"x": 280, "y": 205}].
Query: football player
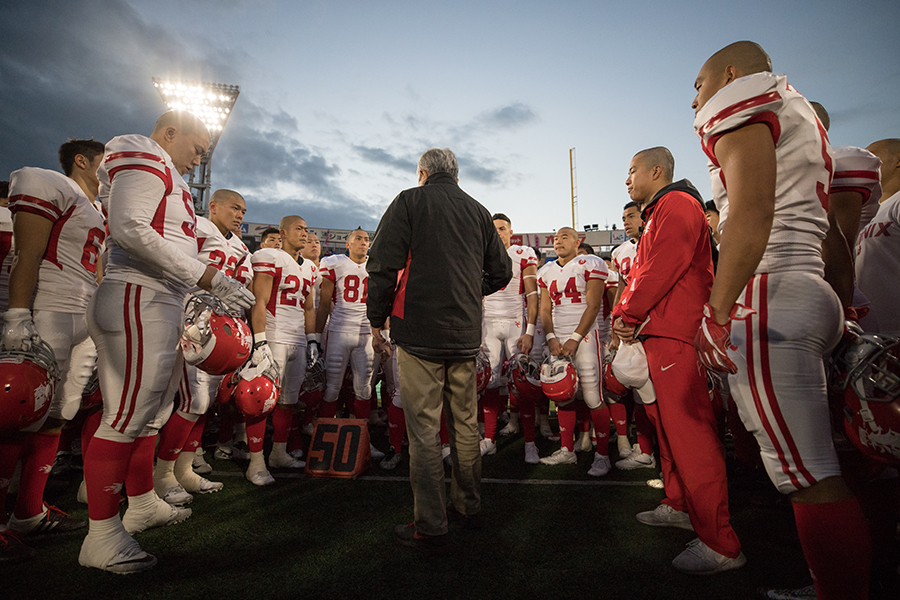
[
  {"x": 283, "y": 314},
  {"x": 506, "y": 330},
  {"x": 7, "y": 248},
  {"x": 345, "y": 282},
  {"x": 135, "y": 320},
  {"x": 270, "y": 238},
  {"x": 571, "y": 298},
  {"x": 771, "y": 317},
  {"x": 59, "y": 234},
  {"x": 173, "y": 477}
]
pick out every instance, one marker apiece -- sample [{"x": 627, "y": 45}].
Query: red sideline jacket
[{"x": 674, "y": 270}]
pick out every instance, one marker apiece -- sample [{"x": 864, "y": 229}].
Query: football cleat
[
  {"x": 375, "y": 453},
  {"x": 260, "y": 478},
  {"x": 121, "y": 555},
  {"x": 560, "y": 457},
  {"x": 700, "y": 559},
  {"x": 159, "y": 515},
  {"x": 636, "y": 460},
  {"x": 390, "y": 460},
  {"x": 559, "y": 380},
  {"x": 177, "y": 495},
  {"x": 51, "y": 520},
  {"x": 865, "y": 392},
  {"x": 214, "y": 340},
  {"x": 28, "y": 380},
  {"x": 804, "y": 593},
  {"x": 285, "y": 462},
  {"x": 205, "y": 486},
  {"x": 488, "y": 446},
  {"x": 199, "y": 464},
  {"x": 600, "y": 466},
  {"x": 531, "y": 454},
  {"x": 12, "y": 550}
]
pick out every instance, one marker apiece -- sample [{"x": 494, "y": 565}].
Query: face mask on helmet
[
  {"x": 559, "y": 380},
  {"x": 524, "y": 376},
  {"x": 214, "y": 340},
  {"x": 27, "y": 383},
  {"x": 315, "y": 378},
  {"x": 257, "y": 391}
]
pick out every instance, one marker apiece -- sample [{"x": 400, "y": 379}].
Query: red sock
[
  {"x": 11, "y": 443},
  {"x": 619, "y": 415},
  {"x": 281, "y": 423},
  {"x": 37, "y": 459},
  {"x": 527, "y": 416},
  {"x": 91, "y": 423},
  {"x": 327, "y": 410},
  {"x": 362, "y": 409},
  {"x": 256, "y": 433},
  {"x": 228, "y": 416},
  {"x": 195, "y": 438},
  {"x": 645, "y": 429},
  {"x": 567, "y": 417},
  {"x": 105, "y": 465},
  {"x": 396, "y": 426},
  {"x": 583, "y": 414},
  {"x": 492, "y": 404},
  {"x": 837, "y": 546},
  {"x": 313, "y": 401},
  {"x": 295, "y": 441},
  {"x": 70, "y": 431},
  {"x": 172, "y": 437},
  {"x": 139, "y": 477},
  {"x": 600, "y": 417}
]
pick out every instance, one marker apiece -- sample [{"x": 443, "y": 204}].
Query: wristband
[
  {"x": 550, "y": 336},
  {"x": 259, "y": 337},
  {"x": 529, "y": 330},
  {"x": 576, "y": 338},
  {"x": 529, "y": 276},
  {"x": 531, "y": 294},
  {"x": 313, "y": 337}
]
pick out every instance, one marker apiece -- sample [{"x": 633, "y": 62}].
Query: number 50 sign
[{"x": 340, "y": 448}]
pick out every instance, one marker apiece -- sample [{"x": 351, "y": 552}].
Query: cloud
[
  {"x": 508, "y": 117},
  {"x": 381, "y": 156}
]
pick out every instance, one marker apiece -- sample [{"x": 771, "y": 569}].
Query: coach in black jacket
[{"x": 444, "y": 247}]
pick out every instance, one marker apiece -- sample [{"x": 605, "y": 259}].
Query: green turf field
[{"x": 549, "y": 532}]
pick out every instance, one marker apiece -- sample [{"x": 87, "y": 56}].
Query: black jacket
[{"x": 452, "y": 256}]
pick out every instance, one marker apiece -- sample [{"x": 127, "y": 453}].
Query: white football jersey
[
  {"x": 7, "y": 251},
  {"x": 351, "y": 285},
  {"x": 509, "y": 302},
  {"x": 878, "y": 265},
  {"x": 567, "y": 286},
  {"x": 243, "y": 272},
  {"x": 858, "y": 170},
  {"x": 805, "y": 164},
  {"x": 68, "y": 272},
  {"x": 215, "y": 249},
  {"x": 624, "y": 257},
  {"x": 291, "y": 284},
  {"x": 152, "y": 226}
]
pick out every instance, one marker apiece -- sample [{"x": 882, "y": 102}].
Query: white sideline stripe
[{"x": 216, "y": 474}]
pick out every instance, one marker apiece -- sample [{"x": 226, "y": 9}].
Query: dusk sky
[{"x": 340, "y": 98}]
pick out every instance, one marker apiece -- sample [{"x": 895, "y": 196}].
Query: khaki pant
[{"x": 427, "y": 389}]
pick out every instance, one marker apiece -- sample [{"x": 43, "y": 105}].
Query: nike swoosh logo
[{"x": 667, "y": 368}]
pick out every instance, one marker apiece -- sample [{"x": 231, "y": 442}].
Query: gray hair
[{"x": 439, "y": 160}]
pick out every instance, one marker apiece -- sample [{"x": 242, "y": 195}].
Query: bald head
[
  {"x": 888, "y": 150},
  {"x": 223, "y": 195},
  {"x": 658, "y": 156},
  {"x": 184, "y": 121},
  {"x": 745, "y": 56}
]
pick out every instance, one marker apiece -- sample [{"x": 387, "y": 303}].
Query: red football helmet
[
  {"x": 559, "y": 380},
  {"x": 27, "y": 382},
  {"x": 90, "y": 396},
  {"x": 866, "y": 375},
  {"x": 214, "y": 340},
  {"x": 525, "y": 378},
  {"x": 482, "y": 371},
  {"x": 611, "y": 384},
  {"x": 257, "y": 395},
  {"x": 226, "y": 388}
]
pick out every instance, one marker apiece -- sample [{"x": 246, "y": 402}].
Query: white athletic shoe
[
  {"x": 445, "y": 454},
  {"x": 375, "y": 453},
  {"x": 805, "y": 593},
  {"x": 600, "y": 467},
  {"x": 547, "y": 432},
  {"x": 199, "y": 464},
  {"x": 177, "y": 496},
  {"x": 81, "y": 496},
  {"x": 307, "y": 429},
  {"x": 512, "y": 427},
  {"x": 637, "y": 460},
  {"x": 161, "y": 514},
  {"x": 240, "y": 451},
  {"x": 122, "y": 555},
  {"x": 205, "y": 486},
  {"x": 531, "y": 454},
  {"x": 390, "y": 462},
  {"x": 666, "y": 516},
  {"x": 298, "y": 453},
  {"x": 700, "y": 559},
  {"x": 560, "y": 457},
  {"x": 286, "y": 461},
  {"x": 223, "y": 452},
  {"x": 625, "y": 448},
  {"x": 260, "y": 478},
  {"x": 488, "y": 446}
]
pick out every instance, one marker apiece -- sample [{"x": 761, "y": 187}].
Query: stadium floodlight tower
[{"x": 212, "y": 102}]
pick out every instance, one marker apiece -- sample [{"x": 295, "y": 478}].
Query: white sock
[
  {"x": 279, "y": 449},
  {"x": 144, "y": 503},
  {"x": 257, "y": 462},
  {"x": 184, "y": 472},
  {"x": 164, "y": 476}
]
